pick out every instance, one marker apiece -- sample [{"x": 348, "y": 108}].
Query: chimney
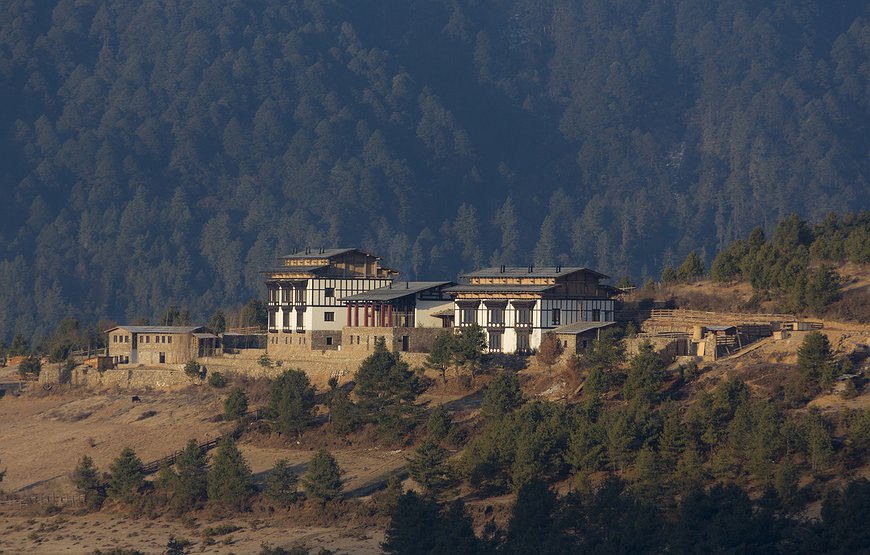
[
  {"x": 558, "y": 268},
  {"x": 407, "y": 285},
  {"x": 307, "y": 250},
  {"x": 322, "y": 249},
  {"x": 502, "y": 268},
  {"x": 532, "y": 267},
  {"x": 391, "y": 285}
]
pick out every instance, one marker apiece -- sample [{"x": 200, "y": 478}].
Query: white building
[
  {"x": 516, "y": 306},
  {"x": 305, "y": 293}
]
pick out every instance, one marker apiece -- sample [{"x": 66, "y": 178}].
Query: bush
[
  {"x": 30, "y": 366},
  {"x": 550, "y": 350},
  {"x": 323, "y": 479},
  {"x": 217, "y": 380},
  {"x": 502, "y": 396},
  {"x": 193, "y": 369},
  {"x": 265, "y": 361},
  {"x": 236, "y": 404}
]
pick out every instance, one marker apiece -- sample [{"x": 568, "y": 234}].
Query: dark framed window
[
  {"x": 468, "y": 316},
  {"x": 524, "y": 315},
  {"x": 329, "y": 292},
  {"x": 328, "y": 340},
  {"x": 495, "y": 342},
  {"x": 329, "y": 316},
  {"x": 496, "y": 316},
  {"x": 556, "y": 316}
]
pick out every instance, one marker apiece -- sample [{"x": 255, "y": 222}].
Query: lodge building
[
  {"x": 517, "y": 305},
  {"x": 306, "y": 292}
]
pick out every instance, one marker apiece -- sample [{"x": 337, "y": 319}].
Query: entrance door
[{"x": 405, "y": 343}]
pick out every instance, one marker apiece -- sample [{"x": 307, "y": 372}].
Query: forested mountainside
[{"x": 159, "y": 152}]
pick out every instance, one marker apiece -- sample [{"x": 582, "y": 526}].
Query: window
[
  {"x": 328, "y": 341},
  {"x": 596, "y": 315},
  {"x": 495, "y": 342},
  {"x": 496, "y": 317},
  {"x": 114, "y": 339},
  {"x": 523, "y": 341},
  {"x": 524, "y": 315},
  {"x": 169, "y": 339},
  {"x": 271, "y": 319},
  {"x": 468, "y": 315},
  {"x": 162, "y": 358},
  {"x": 147, "y": 338},
  {"x": 300, "y": 319},
  {"x": 286, "y": 318},
  {"x": 329, "y": 292},
  {"x": 126, "y": 339},
  {"x": 329, "y": 316},
  {"x": 557, "y": 316}
]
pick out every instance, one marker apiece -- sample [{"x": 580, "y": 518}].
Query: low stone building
[
  {"x": 158, "y": 345},
  {"x": 576, "y": 337}
]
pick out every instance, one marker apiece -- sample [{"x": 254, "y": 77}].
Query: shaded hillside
[{"x": 157, "y": 153}]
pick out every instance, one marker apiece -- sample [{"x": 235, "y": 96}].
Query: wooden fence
[
  {"x": 248, "y": 419},
  {"x": 704, "y": 317},
  {"x": 52, "y": 500}
]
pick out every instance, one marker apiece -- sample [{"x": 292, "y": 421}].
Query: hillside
[{"x": 159, "y": 154}]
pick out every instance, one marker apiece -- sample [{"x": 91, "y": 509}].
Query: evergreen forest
[{"x": 160, "y": 154}]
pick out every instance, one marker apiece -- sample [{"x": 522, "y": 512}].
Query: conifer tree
[
  {"x": 502, "y": 396},
  {"x": 292, "y": 402},
  {"x": 236, "y": 404},
  {"x": 322, "y": 481},
  {"x": 816, "y": 359},
  {"x": 125, "y": 476},
  {"x": 86, "y": 479},
  {"x": 229, "y": 481},
  {"x": 281, "y": 484},
  {"x": 190, "y": 480},
  {"x": 428, "y": 466},
  {"x": 413, "y": 526}
]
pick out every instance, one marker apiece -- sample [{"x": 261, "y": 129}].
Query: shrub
[
  {"x": 236, "y": 404},
  {"x": 265, "y": 361},
  {"x": 193, "y": 369},
  {"x": 217, "y": 380},
  {"x": 502, "y": 396},
  {"x": 550, "y": 350},
  {"x": 30, "y": 366}
]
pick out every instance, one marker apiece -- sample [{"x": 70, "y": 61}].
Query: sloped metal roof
[
  {"x": 397, "y": 290},
  {"x": 523, "y": 271},
  {"x": 501, "y": 288},
  {"x": 157, "y": 329},
  {"x": 580, "y": 327}
]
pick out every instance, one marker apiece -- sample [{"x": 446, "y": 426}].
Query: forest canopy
[{"x": 159, "y": 154}]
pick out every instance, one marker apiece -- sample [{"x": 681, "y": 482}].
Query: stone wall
[{"x": 125, "y": 378}]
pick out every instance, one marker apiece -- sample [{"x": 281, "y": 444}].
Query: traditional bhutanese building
[
  {"x": 516, "y": 306},
  {"x": 158, "y": 345},
  {"x": 406, "y": 314},
  {"x": 306, "y": 292}
]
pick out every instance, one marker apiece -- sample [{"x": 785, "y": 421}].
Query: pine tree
[
  {"x": 322, "y": 481},
  {"x": 428, "y": 466},
  {"x": 502, "y": 396},
  {"x": 236, "y": 404},
  {"x": 343, "y": 413},
  {"x": 387, "y": 388},
  {"x": 292, "y": 402},
  {"x": 229, "y": 481},
  {"x": 126, "y": 476},
  {"x": 281, "y": 484},
  {"x": 86, "y": 479},
  {"x": 413, "y": 526},
  {"x": 816, "y": 359},
  {"x": 190, "y": 480},
  {"x": 440, "y": 356},
  {"x": 692, "y": 268}
]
